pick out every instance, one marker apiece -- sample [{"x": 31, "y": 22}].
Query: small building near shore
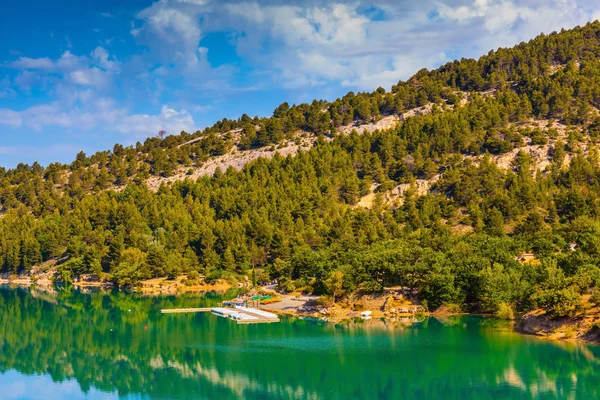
[{"x": 572, "y": 246}]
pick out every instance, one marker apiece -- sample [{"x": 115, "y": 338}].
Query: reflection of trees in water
[{"x": 121, "y": 342}]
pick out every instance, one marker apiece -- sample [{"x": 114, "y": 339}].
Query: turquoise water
[{"x": 72, "y": 345}]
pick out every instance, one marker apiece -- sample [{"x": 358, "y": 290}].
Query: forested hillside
[{"x": 300, "y": 218}]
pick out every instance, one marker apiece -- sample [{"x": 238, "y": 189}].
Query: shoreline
[
  {"x": 534, "y": 324},
  {"x": 152, "y": 287},
  {"x": 516, "y": 325},
  {"x": 577, "y": 329},
  {"x": 48, "y": 283}
]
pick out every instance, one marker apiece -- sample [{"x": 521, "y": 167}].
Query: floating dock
[
  {"x": 239, "y": 314},
  {"x": 245, "y": 315},
  {"x": 183, "y": 310}
]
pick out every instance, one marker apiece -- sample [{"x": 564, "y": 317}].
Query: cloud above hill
[
  {"x": 356, "y": 44},
  {"x": 183, "y": 64}
]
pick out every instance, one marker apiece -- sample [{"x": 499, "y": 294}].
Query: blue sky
[{"x": 83, "y": 74}]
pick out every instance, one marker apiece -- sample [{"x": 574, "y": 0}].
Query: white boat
[{"x": 365, "y": 314}]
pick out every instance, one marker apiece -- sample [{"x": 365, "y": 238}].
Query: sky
[{"x": 86, "y": 74}]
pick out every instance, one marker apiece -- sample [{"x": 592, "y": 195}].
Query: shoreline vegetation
[
  {"x": 389, "y": 307},
  {"x": 480, "y": 194},
  {"x": 151, "y": 287}
]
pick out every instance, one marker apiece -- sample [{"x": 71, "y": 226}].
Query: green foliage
[
  {"x": 338, "y": 285},
  {"x": 450, "y": 308},
  {"x": 213, "y": 276},
  {"x": 370, "y": 287},
  {"x": 286, "y": 285},
  {"x": 439, "y": 288},
  {"x": 297, "y": 219},
  {"x": 505, "y": 311},
  {"x": 126, "y": 274},
  {"x": 500, "y": 287},
  {"x": 565, "y": 303},
  {"x": 595, "y": 298},
  {"x": 555, "y": 295}
]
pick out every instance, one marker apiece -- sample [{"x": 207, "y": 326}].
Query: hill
[{"x": 437, "y": 186}]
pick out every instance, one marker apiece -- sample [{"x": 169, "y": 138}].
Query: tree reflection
[{"x": 120, "y": 342}]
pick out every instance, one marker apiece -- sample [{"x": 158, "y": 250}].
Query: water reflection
[{"x": 119, "y": 344}]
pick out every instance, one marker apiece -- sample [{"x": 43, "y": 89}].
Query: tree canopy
[{"x": 299, "y": 219}]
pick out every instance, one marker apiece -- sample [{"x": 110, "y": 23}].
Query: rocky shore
[{"x": 580, "y": 328}]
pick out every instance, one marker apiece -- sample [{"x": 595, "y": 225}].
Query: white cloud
[
  {"x": 317, "y": 63},
  {"x": 26, "y": 80},
  {"x": 501, "y": 15},
  {"x": 313, "y": 45},
  {"x": 39, "y": 116},
  {"x": 330, "y": 26},
  {"x": 67, "y": 61},
  {"x": 401, "y": 67},
  {"x": 464, "y": 13},
  {"x": 283, "y": 43},
  {"x": 97, "y": 70},
  {"x": 102, "y": 59},
  {"x": 302, "y": 44},
  {"x": 172, "y": 33},
  {"x": 503, "y": 23},
  {"x": 98, "y": 115},
  {"x": 32, "y": 63},
  {"x": 316, "y": 42},
  {"x": 194, "y": 2},
  {"x": 202, "y": 108},
  {"x": 5, "y": 89},
  {"x": 88, "y": 77},
  {"x": 10, "y": 118},
  {"x": 144, "y": 125}
]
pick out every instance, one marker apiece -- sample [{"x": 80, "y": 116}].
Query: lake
[{"x": 73, "y": 345}]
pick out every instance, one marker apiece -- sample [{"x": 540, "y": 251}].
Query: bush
[
  {"x": 213, "y": 276},
  {"x": 439, "y": 288},
  {"x": 286, "y": 285},
  {"x": 65, "y": 276},
  {"x": 497, "y": 145},
  {"x": 505, "y": 311},
  {"x": 262, "y": 277},
  {"x": 370, "y": 287},
  {"x": 595, "y": 299},
  {"x": 192, "y": 278},
  {"x": 230, "y": 277},
  {"x": 325, "y": 301},
  {"x": 450, "y": 308},
  {"x": 565, "y": 303},
  {"x": 126, "y": 275},
  {"x": 538, "y": 138}
]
